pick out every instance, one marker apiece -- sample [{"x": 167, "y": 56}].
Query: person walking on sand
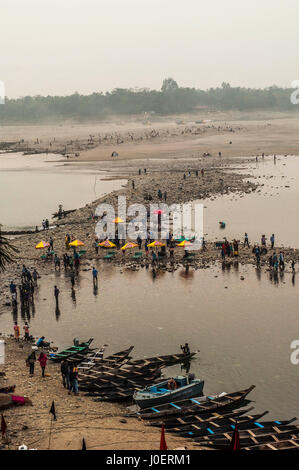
[
  {"x": 263, "y": 240},
  {"x": 246, "y": 241},
  {"x": 74, "y": 379},
  {"x": 65, "y": 373},
  {"x": 56, "y": 294},
  {"x": 31, "y": 362},
  {"x": 43, "y": 362},
  {"x": 272, "y": 240},
  {"x": 95, "y": 276},
  {"x": 35, "y": 277},
  {"x": 26, "y": 331},
  {"x": 16, "y": 331}
]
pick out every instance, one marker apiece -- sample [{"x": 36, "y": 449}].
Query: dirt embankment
[{"x": 101, "y": 424}]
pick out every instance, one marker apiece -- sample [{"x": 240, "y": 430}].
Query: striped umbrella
[
  {"x": 156, "y": 243},
  {"x": 184, "y": 243},
  {"x": 129, "y": 245},
  {"x": 107, "y": 244}
]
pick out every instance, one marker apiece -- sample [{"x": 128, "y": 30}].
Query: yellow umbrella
[
  {"x": 129, "y": 245},
  {"x": 184, "y": 243},
  {"x": 107, "y": 244},
  {"x": 118, "y": 220},
  {"x": 76, "y": 243},
  {"x": 156, "y": 243},
  {"x": 42, "y": 244}
]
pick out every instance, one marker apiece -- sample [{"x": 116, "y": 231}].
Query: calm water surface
[
  {"x": 243, "y": 331},
  {"x": 32, "y": 187}
]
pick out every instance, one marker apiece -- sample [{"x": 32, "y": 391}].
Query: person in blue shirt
[{"x": 95, "y": 276}]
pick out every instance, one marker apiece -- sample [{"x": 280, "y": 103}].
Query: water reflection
[{"x": 243, "y": 328}]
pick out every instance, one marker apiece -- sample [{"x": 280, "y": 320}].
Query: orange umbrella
[
  {"x": 118, "y": 220},
  {"x": 107, "y": 244},
  {"x": 129, "y": 245},
  {"x": 42, "y": 244},
  {"x": 156, "y": 243},
  {"x": 184, "y": 243},
  {"x": 76, "y": 243}
]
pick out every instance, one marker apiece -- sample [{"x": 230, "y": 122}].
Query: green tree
[{"x": 169, "y": 84}]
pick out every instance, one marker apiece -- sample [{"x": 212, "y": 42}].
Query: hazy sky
[{"x": 62, "y": 46}]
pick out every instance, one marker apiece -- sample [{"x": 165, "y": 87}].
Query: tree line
[{"x": 171, "y": 99}]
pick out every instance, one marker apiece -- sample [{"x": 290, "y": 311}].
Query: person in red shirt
[{"x": 43, "y": 362}]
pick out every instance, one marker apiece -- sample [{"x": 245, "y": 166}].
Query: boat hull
[{"x": 189, "y": 391}]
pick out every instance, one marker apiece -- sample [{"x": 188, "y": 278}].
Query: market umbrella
[
  {"x": 156, "y": 243},
  {"x": 118, "y": 220},
  {"x": 129, "y": 245},
  {"x": 159, "y": 212},
  {"x": 107, "y": 244},
  {"x": 42, "y": 244},
  {"x": 76, "y": 243},
  {"x": 184, "y": 243}
]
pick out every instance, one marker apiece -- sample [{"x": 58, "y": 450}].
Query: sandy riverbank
[{"x": 101, "y": 424}]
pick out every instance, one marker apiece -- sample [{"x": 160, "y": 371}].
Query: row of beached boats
[{"x": 177, "y": 403}]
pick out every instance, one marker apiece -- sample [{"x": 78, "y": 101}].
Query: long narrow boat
[
  {"x": 117, "y": 384},
  {"x": 90, "y": 359},
  {"x": 245, "y": 422},
  {"x": 289, "y": 444},
  {"x": 253, "y": 442},
  {"x": 165, "y": 360},
  {"x": 196, "y": 405},
  {"x": 224, "y": 417},
  {"x": 116, "y": 357},
  {"x": 217, "y": 426},
  {"x": 263, "y": 429},
  {"x": 113, "y": 373},
  {"x": 72, "y": 353}
]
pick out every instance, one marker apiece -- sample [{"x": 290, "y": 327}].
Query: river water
[
  {"x": 243, "y": 328},
  {"x": 32, "y": 187}
]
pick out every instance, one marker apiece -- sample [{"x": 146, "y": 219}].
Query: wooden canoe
[
  {"x": 72, "y": 353},
  {"x": 162, "y": 360},
  {"x": 197, "y": 405},
  {"x": 269, "y": 427}
]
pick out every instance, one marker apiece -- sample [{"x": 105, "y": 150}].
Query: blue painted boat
[{"x": 164, "y": 392}]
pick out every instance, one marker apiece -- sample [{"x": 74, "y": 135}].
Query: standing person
[
  {"x": 246, "y": 241},
  {"x": 65, "y": 373},
  {"x": 31, "y": 361},
  {"x": 35, "y": 277},
  {"x": 74, "y": 379},
  {"x": 281, "y": 261},
  {"x": 56, "y": 294},
  {"x": 43, "y": 362},
  {"x": 57, "y": 262},
  {"x": 47, "y": 224},
  {"x": 293, "y": 266},
  {"x": 139, "y": 241},
  {"x": 16, "y": 331},
  {"x": 272, "y": 240},
  {"x": 26, "y": 331},
  {"x": 51, "y": 243},
  {"x": 96, "y": 245},
  {"x": 95, "y": 276},
  {"x": 263, "y": 240}
]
